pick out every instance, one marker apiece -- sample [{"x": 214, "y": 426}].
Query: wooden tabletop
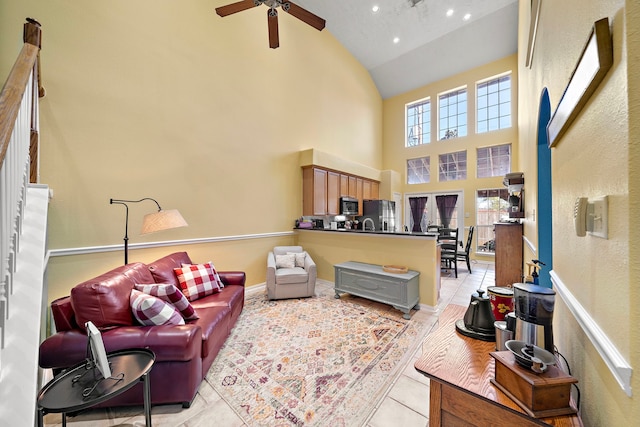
[{"x": 465, "y": 363}]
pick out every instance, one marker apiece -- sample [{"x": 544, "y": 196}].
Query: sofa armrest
[
  {"x": 271, "y": 268},
  {"x": 168, "y": 342},
  {"x": 233, "y": 277},
  {"x": 62, "y": 313},
  {"x": 63, "y": 349},
  {"x": 310, "y": 267}
]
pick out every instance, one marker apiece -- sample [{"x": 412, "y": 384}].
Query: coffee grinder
[{"x": 533, "y": 306}]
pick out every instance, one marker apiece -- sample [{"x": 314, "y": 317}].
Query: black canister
[{"x": 533, "y": 303}]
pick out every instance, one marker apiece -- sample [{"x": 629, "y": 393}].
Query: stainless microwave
[{"x": 348, "y": 206}]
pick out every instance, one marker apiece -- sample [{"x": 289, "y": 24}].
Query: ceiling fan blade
[
  {"x": 304, "y": 15},
  {"x": 236, "y": 7},
  {"x": 272, "y": 20}
]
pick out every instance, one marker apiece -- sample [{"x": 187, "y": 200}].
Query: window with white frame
[
  {"x": 418, "y": 170},
  {"x": 452, "y": 166},
  {"x": 452, "y": 114},
  {"x": 418, "y": 123},
  {"x": 492, "y": 205},
  {"x": 493, "y": 104},
  {"x": 494, "y": 161}
]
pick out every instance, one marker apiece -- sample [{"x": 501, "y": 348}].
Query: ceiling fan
[{"x": 272, "y": 15}]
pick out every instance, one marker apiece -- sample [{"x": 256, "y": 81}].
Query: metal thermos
[
  {"x": 533, "y": 306},
  {"x": 503, "y": 334}
]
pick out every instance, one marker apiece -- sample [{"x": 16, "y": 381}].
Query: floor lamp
[{"x": 157, "y": 221}]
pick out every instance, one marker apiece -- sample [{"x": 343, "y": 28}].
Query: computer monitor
[{"x": 98, "y": 354}]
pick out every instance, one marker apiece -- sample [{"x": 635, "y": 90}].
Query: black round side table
[{"x": 82, "y": 387}]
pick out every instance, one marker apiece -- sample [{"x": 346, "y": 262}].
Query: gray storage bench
[{"x": 370, "y": 281}]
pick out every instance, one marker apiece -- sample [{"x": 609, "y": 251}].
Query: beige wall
[
  {"x": 168, "y": 100},
  {"x": 395, "y": 154},
  {"x": 594, "y": 158}
]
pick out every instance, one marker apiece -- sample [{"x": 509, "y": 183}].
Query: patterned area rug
[{"x": 313, "y": 361}]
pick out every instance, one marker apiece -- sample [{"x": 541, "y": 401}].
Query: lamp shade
[{"x": 162, "y": 220}]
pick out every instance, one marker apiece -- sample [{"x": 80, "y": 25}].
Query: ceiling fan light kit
[{"x": 272, "y": 15}]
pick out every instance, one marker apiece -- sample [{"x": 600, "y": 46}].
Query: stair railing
[{"x": 19, "y": 127}]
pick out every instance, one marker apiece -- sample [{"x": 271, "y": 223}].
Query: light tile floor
[{"x": 406, "y": 402}]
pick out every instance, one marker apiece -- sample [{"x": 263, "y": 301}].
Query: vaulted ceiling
[{"x": 430, "y": 44}]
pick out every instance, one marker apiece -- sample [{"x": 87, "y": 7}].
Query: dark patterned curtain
[
  {"x": 417, "y": 205},
  {"x": 446, "y": 206}
]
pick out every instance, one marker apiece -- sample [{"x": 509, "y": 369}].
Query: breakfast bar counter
[
  {"x": 419, "y": 252},
  {"x": 428, "y": 235}
]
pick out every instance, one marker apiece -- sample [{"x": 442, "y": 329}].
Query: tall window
[
  {"x": 494, "y": 104},
  {"x": 418, "y": 123},
  {"x": 418, "y": 170},
  {"x": 453, "y": 166},
  {"x": 452, "y": 114},
  {"x": 494, "y": 161},
  {"x": 491, "y": 206}
]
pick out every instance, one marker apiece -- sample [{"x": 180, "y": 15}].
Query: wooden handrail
[{"x": 14, "y": 87}]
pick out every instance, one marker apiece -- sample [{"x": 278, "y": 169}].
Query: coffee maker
[{"x": 533, "y": 306}]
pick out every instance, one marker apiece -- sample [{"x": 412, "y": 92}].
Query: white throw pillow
[
  {"x": 285, "y": 261},
  {"x": 299, "y": 258}
]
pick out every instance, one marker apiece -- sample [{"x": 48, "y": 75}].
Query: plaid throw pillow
[
  {"x": 215, "y": 273},
  {"x": 149, "y": 310},
  {"x": 197, "y": 281},
  {"x": 169, "y": 293}
]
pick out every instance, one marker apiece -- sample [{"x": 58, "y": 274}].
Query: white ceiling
[{"x": 431, "y": 45}]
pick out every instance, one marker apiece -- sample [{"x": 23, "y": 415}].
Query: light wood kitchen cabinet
[
  {"x": 509, "y": 253},
  {"x": 314, "y": 191},
  {"x": 333, "y": 193},
  {"x": 322, "y": 189},
  {"x": 344, "y": 185},
  {"x": 353, "y": 190}
]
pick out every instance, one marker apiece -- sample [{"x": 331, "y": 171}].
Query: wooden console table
[{"x": 461, "y": 394}]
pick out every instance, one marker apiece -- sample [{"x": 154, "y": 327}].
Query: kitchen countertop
[{"x": 377, "y": 232}]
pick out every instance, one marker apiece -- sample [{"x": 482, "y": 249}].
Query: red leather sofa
[{"x": 184, "y": 353}]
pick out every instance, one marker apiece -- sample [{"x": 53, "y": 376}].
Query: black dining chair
[
  {"x": 464, "y": 255},
  {"x": 448, "y": 240}
]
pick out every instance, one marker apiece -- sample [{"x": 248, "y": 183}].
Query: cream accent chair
[{"x": 290, "y": 281}]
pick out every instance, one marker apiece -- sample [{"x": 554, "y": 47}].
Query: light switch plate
[{"x": 600, "y": 217}]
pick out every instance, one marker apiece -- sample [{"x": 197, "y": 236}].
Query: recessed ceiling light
[
  {"x": 375, "y": 8},
  {"x": 449, "y": 12},
  {"x": 467, "y": 17},
  {"x": 396, "y": 40}
]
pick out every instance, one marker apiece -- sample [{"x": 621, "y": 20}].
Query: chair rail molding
[
  {"x": 159, "y": 244},
  {"x": 530, "y": 245},
  {"x": 617, "y": 364}
]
